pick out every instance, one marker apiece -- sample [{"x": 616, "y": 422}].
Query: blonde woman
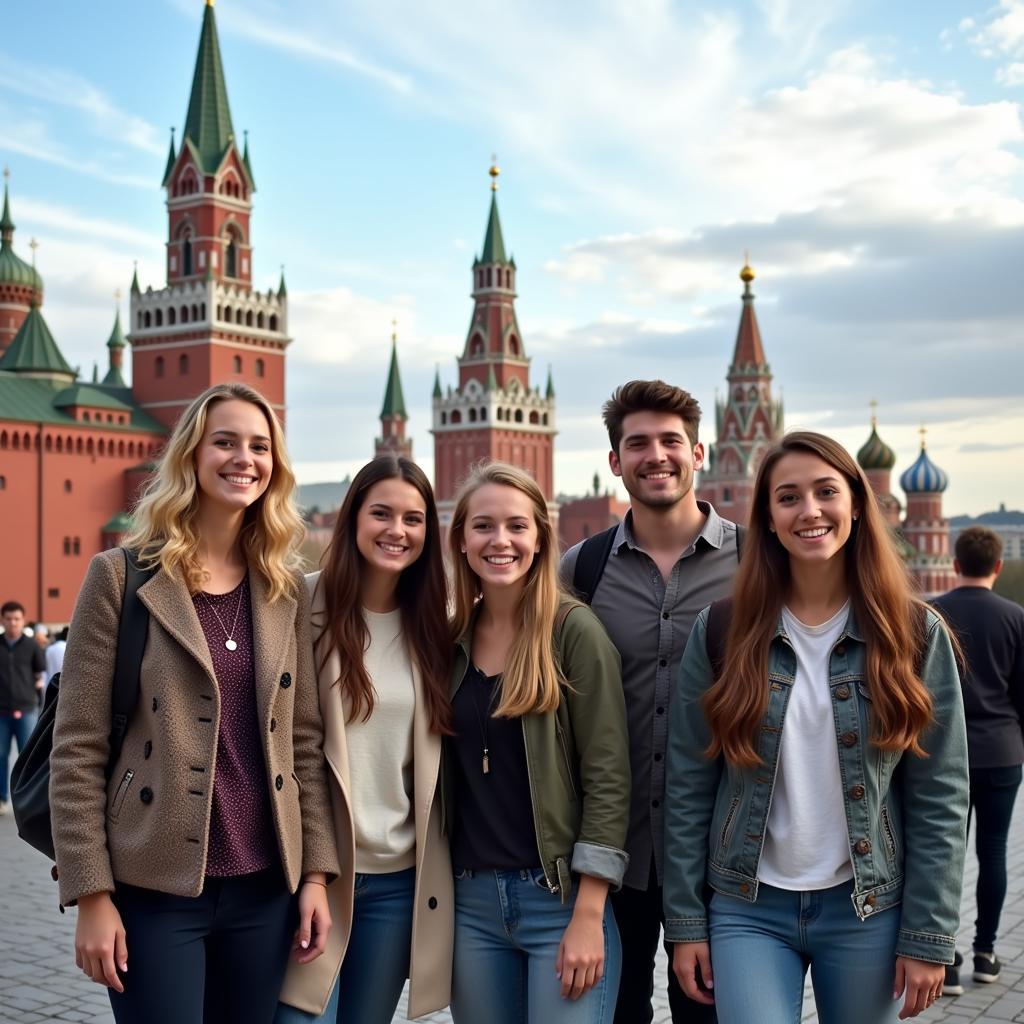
[
  {"x": 537, "y": 773},
  {"x": 184, "y": 861}
]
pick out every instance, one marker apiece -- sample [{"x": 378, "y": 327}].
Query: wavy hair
[
  {"x": 532, "y": 677},
  {"x": 890, "y": 616},
  {"x": 422, "y": 598},
  {"x": 165, "y": 529}
]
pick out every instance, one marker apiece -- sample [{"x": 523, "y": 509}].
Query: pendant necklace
[
  {"x": 485, "y": 761},
  {"x": 230, "y": 643}
]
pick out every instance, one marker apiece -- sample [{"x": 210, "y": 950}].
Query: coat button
[
  {"x": 839, "y": 649},
  {"x": 848, "y": 739},
  {"x": 286, "y": 680},
  {"x": 147, "y": 750},
  {"x": 744, "y": 887},
  {"x": 273, "y": 724},
  {"x": 279, "y": 782},
  {"x": 862, "y": 846},
  {"x": 156, "y": 703},
  {"x": 869, "y": 902},
  {"x": 432, "y": 903},
  {"x": 146, "y": 795},
  {"x": 843, "y": 692},
  {"x": 856, "y": 792}
]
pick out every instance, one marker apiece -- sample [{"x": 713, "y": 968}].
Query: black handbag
[{"x": 30, "y": 780}]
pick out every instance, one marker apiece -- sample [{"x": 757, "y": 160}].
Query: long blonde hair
[
  {"x": 164, "y": 521},
  {"x": 532, "y": 677}
]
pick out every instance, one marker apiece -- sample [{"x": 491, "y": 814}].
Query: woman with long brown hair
[
  {"x": 383, "y": 653},
  {"x": 817, "y": 766}
]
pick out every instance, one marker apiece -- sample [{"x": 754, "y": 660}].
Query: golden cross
[
  {"x": 33, "y": 245},
  {"x": 494, "y": 171},
  {"x": 922, "y": 432},
  {"x": 874, "y": 412},
  {"x": 394, "y": 330}
]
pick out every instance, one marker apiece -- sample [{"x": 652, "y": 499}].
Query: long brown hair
[
  {"x": 422, "y": 598},
  {"x": 531, "y": 679},
  {"x": 890, "y": 617}
]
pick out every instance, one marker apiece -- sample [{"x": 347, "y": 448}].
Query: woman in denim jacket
[{"x": 816, "y": 784}]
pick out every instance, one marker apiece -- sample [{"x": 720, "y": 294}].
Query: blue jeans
[
  {"x": 760, "y": 953},
  {"x": 19, "y": 729},
  {"x": 376, "y": 962},
  {"x": 508, "y": 928}
]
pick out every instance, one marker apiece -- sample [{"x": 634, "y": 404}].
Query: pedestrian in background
[
  {"x": 184, "y": 861},
  {"x": 991, "y": 632},
  {"x": 537, "y": 773},
  {"x": 383, "y": 652},
  {"x": 22, "y": 675},
  {"x": 55, "y": 654},
  {"x": 817, "y": 775}
]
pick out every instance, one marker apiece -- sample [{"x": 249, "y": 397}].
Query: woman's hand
[
  {"x": 580, "y": 963},
  {"x": 922, "y": 981},
  {"x": 691, "y": 962},
  {"x": 100, "y": 947},
  {"x": 314, "y": 919}
]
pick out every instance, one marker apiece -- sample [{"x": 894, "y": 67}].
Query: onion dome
[
  {"x": 875, "y": 453},
  {"x": 13, "y": 269},
  {"x": 924, "y": 477}
]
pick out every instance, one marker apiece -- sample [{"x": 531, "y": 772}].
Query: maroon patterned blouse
[{"x": 241, "y": 830}]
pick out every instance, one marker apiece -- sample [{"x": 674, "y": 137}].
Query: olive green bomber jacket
[{"x": 577, "y": 758}]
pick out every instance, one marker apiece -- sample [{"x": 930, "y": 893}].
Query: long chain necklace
[
  {"x": 485, "y": 761},
  {"x": 230, "y": 643}
]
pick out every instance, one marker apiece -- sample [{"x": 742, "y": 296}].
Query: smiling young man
[{"x": 647, "y": 579}]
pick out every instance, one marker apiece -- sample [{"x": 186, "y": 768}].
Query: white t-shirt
[
  {"x": 380, "y": 753},
  {"x": 806, "y": 844},
  {"x": 54, "y": 658}
]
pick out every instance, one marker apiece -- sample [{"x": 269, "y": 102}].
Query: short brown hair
[
  {"x": 649, "y": 396},
  {"x": 978, "y": 550}
]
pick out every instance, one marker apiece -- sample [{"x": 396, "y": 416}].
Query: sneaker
[
  {"x": 4, "y": 807},
  {"x": 986, "y": 968},
  {"x": 951, "y": 986}
]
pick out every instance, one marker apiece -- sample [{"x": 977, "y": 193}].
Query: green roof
[
  {"x": 116, "y": 339},
  {"x": 875, "y": 453},
  {"x": 208, "y": 122},
  {"x": 6, "y": 223},
  {"x": 171, "y": 158},
  {"x": 494, "y": 244},
  {"x": 120, "y": 523},
  {"x": 437, "y": 382},
  {"x": 551, "y": 386},
  {"x": 394, "y": 400},
  {"x": 135, "y": 280},
  {"x": 13, "y": 269},
  {"x": 34, "y": 350},
  {"x": 282, "y": 291},
  {"x": 31, "y": 400},
  {"x": 91, "y": 396},
  {"x": 246, "y": 161},
  {"x": 492, "y": 380}
]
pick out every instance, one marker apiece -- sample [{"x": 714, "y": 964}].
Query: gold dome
[{"x": 747, "y": 273}]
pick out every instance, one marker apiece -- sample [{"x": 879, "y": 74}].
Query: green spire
[
  {"x": 245, "y": 158},
  {"x": 171, "y": 157},
  {"x": 597, "y": 484},
  {"x": 550, "y": 393},
  {"x": 95, "y": 372},
  {"x": 6, "y": 223},
  {"x": 494, "y": 243},
  {"x": 33, "y": 349},
  {"x": 492, "y": 380},
  {"x": 116, "y": 339},
  {"x": 208, "y": 122},
  {"x": 437, "y": 381},
  {"x": 394, "y": 401},
  {"x": 282, "y": 291},
  {"x": 135, "y": 279}
]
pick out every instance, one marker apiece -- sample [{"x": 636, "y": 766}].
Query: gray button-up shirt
[{"x": 649, "y": 620}]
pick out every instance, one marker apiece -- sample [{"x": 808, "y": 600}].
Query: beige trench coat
[{"x": 309, "y": 986}]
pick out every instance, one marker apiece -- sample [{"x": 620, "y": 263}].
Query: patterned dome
[
  {"x": 924, "y": 477},
  {"x": 13, "y": 269},
  {"x": 876, "y": 454}
]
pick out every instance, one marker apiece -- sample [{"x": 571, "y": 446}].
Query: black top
[
  {"x": 19, "y": 666},
  {"x": 493, "y": 823},
  {"x": 991, "y": 631}
]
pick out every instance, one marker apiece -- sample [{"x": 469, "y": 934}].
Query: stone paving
[{"x": 39, "y": 983}]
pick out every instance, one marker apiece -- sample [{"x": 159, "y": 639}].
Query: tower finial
[
  {"x": 394, "y": 329},
  {"x": 209, "y": 3},
  {"x": 747, "y": 273},
  {"x": 7, "y": 173},
  {"x": 494, "y": 171},
  {"x": 922, "y": 431},
  {"x": 117, "y": 296},
  {"x": 33, "y": 245},
  {"x": 874, "y": 413}
]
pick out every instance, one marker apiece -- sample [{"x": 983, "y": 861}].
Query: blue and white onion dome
[{"x": 924, "y": 477}]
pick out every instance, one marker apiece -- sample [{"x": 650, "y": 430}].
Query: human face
[
  {"x": 500, "y": 539},
  {"x": 811, "y": 507},
  {"x": 234, "y": 460},
  {"x": 655, "y": 459},
  {"x": 391, "y": 526},
  {"x": 14, "y": 624}
]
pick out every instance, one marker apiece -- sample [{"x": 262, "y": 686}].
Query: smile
[
  {"x": 817, "y": 531},
  {"x": 500, "y": 560},
  {"x": 661, "y": 474},
  {"x": 392, "y": 549},
  {"x": 239, "y": 480}
]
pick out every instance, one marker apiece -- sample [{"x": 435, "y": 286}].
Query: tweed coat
[
  {"x": 309, "y": 986},
  {"x": 149, "y": 824}
]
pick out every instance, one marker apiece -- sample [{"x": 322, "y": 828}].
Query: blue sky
[{"x": 868, "y": 155}]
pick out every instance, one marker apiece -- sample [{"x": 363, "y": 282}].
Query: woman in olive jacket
[{"x": 184, "y": 861}]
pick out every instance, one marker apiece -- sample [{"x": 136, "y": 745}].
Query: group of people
[{"x": 501, "y": 778}]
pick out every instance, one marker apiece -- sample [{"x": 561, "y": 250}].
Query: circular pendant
[{"x": 230, "y": 644}]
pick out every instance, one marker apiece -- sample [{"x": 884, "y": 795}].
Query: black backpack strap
[
  {"x": 741, "y": 536},
  {"x": 590, "y": 562},
  {"x": 719, "y": 615},
  {"x": 131, "y": 643}
]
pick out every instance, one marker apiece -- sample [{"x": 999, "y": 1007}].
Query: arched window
[
  {"x": 195, "y": 312},
  {"x": 519, "y": 416},
  {"x": 17, "y": 442},
  {"x": 186, "y": 256},
  {"x": 220, "y": 313},
  {"x": 158, "y": 367},
  {"x": 483, "y": 414},
  {"x": 171, "y": 317},
  {"x": 544, "y": 419},
  {"x": 236, "y": 363},
  {"x": 444, "y": 418},
  {"x": 259, "y": 320},
  {"x": 78, "y": 446},
  {"x": 89, "y": 447},
  {"x": 261, "y": 368},
  {"x": 101, "y": 448},
  {"x": 146, "y": 319},
  {"x": 456, "y": 416},
  {"x": 49, "y": 443},
  {"x": 534, "y": 417},
  {"x": 248, "y": 318},
  {"x": 60, "y": 444},
  {"x": 4, "y": 441},
  {"x": 472, "y": 415},
  {"x": 158, "y": 317},
  {"x": 3, "y": 483},
  {"x": 86, "y": 415},
  {"x": 139, "y": 321},
  {"x": 182, "y": 364},
  {"x": 184, "y": 314},
  {"x": 513, "y": 345},
  {"x": 489, "y": 277},
  {"x": 476, "y": 346},
  {"x": 67, "y": 545},
  {"x": 231, "y": 258},
  {"x": 202, "y": 310},
  {"x": 273, "y": 321},
  {"x": 76, "y": 545},
  {"x": 120, "y": 447}
]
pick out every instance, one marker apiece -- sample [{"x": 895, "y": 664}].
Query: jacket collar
[
  {"x": 850, "y": 630},
  {"x": 711, "y": 533}
]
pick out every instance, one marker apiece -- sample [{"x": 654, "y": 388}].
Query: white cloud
[
  {"x": 1000, "y": 37},
  {"x": 1011, "y": 74}
]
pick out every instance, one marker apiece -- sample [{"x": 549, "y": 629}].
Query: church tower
[
  {"x": 747, "y": 423},
  {"x": 393, "y": 417},
  {"x": 207, "y": 325},
  {"x": 924, "y": 528},
  {"x": 21, "y": 287},
  {"x": 876, "y": 458},
  {"x": 493, "y": 412}
]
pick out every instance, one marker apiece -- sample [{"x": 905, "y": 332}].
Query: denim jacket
[{"x": 906, "y": 816}]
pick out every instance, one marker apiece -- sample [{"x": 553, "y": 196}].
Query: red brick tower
[
  {"x": 21, "y": 287},
  {"x": 494, "y": 412},
  {"x": 207, "y": 325},
  {"x": 876, "y": 458},
  {"x": 393, "y": 417},
  {"x": 746, "y": 423}
]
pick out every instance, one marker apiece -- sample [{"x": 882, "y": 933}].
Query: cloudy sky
[{"x": 868, "y": 155}]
